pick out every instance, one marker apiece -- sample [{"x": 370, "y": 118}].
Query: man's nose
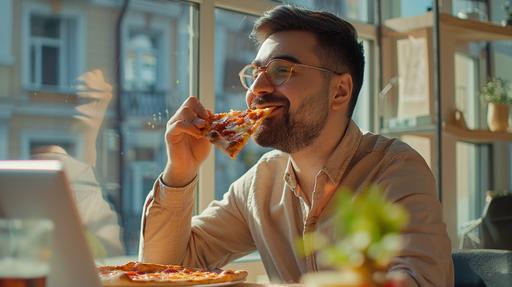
[{"x": 261, "y": 86}]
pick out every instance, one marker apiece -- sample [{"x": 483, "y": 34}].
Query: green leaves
[
  {"x": 497, "y": 90},
  {"x": 367, "y": 231}
]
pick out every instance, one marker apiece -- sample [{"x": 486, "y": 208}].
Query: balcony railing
[{"x": 146, "y": 103}]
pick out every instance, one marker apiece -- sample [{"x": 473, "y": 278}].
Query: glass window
[
  {"x": 362, "y": 115},
  {"x": 68, "y": 104},
  {"x": 233, "y": 50},
  {"x": 352, "y": 9},
  {"x": 158, "y": 66},
  {"x": 75, "y": 94},
  {"x": 476, "y": 10},
  {"x": 232, "y": 54},
  {"x": 473, "y": 180},
  {"x": 141, "y": 64},
  {"x": 403, "y": 8}
]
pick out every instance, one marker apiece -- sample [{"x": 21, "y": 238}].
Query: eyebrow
[{"x": 282, "y": 57}]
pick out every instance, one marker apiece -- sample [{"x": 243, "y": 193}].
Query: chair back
[
  {"x": 482, "y": 267},
  {"x": 496, "y": 228}
]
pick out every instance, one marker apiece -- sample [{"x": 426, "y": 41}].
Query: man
[{"x": 310, "y": 68}]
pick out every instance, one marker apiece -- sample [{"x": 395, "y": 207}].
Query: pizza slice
[
  {"x": 147, "y": 274},
  {"x": 231, "y": 131}
]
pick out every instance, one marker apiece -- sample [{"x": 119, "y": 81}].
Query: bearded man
[{"x": 309, "y": 68}]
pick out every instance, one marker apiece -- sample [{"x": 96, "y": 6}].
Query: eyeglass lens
[{"x": 277, "y": 72}]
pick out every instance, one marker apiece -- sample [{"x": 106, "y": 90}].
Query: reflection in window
[
  {"x": 141, "y": 66},
  {"x": 52, "y": 41},
  {"x": 157, "y": 49},
  {"x": 68, "y": 146}
]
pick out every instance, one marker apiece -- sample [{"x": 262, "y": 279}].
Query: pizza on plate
[
  {"x": 143, "y": 274},
  {"x": 231, "y": 131}
]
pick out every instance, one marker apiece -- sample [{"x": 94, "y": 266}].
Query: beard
[{"x": 291, "y": 132}]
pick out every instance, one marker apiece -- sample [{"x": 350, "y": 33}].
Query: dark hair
[{"x": 336, "y": 38}]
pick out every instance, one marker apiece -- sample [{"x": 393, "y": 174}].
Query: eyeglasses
[{"x": 277, "y": 71}]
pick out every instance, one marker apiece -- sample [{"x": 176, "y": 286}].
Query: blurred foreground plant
[{"x": 367, "y": 235}]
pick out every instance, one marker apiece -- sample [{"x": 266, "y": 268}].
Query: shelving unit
[
  {"x": 455, "y": 35},
  {"x": 476, "y": 136},
  {"x": 461, "y": 29}
]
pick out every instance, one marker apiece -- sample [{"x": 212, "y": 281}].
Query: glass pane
[
  {"x": 362, "y": 115},
  {"x": 142, "y": 61},
  {"x": 403, "y": 8},
  {"x": 45, "y": 26},
  {"x": 351, "y": 9},
  {"x": 233, "y": 50},
  {"x": 148, "y": 70},
  {"x": 473, "y": 181},
  {"x": 109, "y": 136},
  {"x": 466, "y": 88},
  {"x": 157, "y": 75},
  {"x": 50, "y": 66},
  {"x": 476, "y": 10}
]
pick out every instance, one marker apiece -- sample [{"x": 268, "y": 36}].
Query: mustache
[{"x": 270, "y": 99}]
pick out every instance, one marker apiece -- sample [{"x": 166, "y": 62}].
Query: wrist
[{"x": 172, "y": 177}]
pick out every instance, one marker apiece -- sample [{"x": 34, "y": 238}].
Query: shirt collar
[
  {"x": 290, "y": 178},
  {"x": 337, "y": 162}
]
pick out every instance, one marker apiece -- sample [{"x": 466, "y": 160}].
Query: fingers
[
  {"x": 190, "y": 119},
  {"x": 93, "y": 81},
  {"x": 196, "y": 106},
  {"x": 180, "y": 127}
]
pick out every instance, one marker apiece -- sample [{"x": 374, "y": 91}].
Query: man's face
[{"x": 302, "y": 101}]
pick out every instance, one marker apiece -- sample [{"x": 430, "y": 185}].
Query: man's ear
[{"x": 342, "y": 90}]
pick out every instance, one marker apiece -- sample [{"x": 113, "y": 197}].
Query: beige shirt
[{"x": 265, "y": 210}]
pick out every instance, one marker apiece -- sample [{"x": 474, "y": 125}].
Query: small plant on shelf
[
  {"x": 497, "y": 90},
  {"x": 498, "y": 94},
  {"x": 367, "y": 237}
]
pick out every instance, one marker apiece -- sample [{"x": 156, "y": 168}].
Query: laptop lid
[{"x": 39, "y": 189}]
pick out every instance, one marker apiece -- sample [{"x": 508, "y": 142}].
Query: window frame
[
  {"x": 27, "y": 136},
  {"x": 77, "y": 43}
]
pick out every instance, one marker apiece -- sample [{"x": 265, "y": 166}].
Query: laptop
[{"x": 39, "y": 189}]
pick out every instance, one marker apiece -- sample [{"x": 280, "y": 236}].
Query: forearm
[
  {"x": 166, "y": 224},
  {"x": 210, "y": 240}
]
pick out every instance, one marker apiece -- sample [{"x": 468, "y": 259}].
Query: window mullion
[{"x": 207, "y": 94}]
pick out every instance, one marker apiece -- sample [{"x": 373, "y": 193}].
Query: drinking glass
[{"x": 25, "y": 250}]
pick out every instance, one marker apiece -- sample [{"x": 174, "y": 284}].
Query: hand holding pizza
[
  {"x": 192, "y": 128},
  {"x": 187, "y": 147}
]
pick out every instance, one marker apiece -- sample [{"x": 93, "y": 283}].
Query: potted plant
[
  {"x": 507, "y": 6},
  {"x": 367, "y": 237},
  {"x": 498, "y": 96}
]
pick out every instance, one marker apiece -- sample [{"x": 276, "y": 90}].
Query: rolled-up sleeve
[{"x": 170, "y": 235}]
